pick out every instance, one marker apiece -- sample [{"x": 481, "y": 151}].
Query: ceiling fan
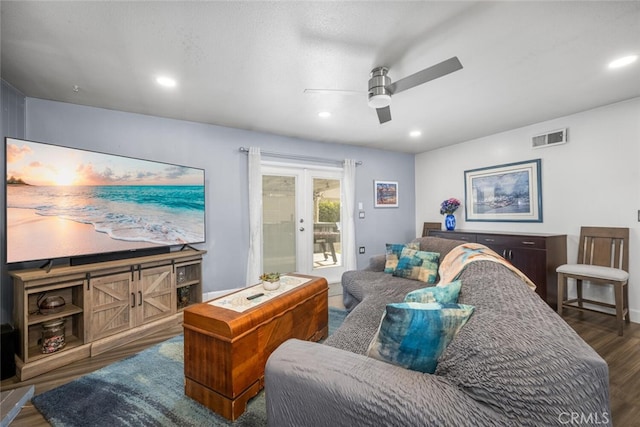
[{"x": 381, "y": 88}]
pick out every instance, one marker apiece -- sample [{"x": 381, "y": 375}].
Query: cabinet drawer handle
[
  {"x": 510, "y": 254},
  {"x": 526, "y": 242},
  {"x": 140, "y": 295},
  {"x": 133, "y": 300},
  {"x": 489, "y": 240}
]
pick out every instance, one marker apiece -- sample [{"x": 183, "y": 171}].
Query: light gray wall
[
  {"x": 12, "y": 124},
  {"x": 215, "y": 149},
  {"x": 592, "y": 180}
]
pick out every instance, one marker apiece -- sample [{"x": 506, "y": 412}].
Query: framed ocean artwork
[{"x": 506, "y": 193}]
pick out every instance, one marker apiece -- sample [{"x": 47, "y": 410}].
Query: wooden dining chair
[
  {"x": 436, "y": 226},
  {"x": 603, "y": 259}
]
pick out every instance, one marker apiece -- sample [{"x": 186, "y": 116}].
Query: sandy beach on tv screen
[{"x": 33, "y": 237}]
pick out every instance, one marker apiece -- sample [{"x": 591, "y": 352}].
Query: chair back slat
[{"x": 604, "y": 246}]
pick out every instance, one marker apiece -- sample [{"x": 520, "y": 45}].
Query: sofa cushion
[
  {"x": 413, "y": 335},
  {"x": 517, "y": 355},
  {"x": 367, "y": 294},
  {"x": 445, "y": 294},
  {"x": 528, "y": 368},
  {"x": 393, "y": 254},
  {"x": 418, "y": 265}
]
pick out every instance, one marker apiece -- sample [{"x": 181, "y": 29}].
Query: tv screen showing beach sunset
[{"x": 66, "y": 202}]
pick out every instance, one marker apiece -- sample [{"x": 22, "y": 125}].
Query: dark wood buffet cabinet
[{"x": 536, "y": 255}]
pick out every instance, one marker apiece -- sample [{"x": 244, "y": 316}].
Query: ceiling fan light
[
  {"x": 379, "y": 101},
  {"x": 166, "y": 81},
  {"x": 621, "y": 62},
  {"x": 379, "y": 95}
]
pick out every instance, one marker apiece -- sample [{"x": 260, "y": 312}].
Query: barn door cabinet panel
[
  {"x": 536, "y": 255},
  {"x": 110, "y": 305},
  {"x": 107, "y": 304},
  {"x": 155, "y": 292}
]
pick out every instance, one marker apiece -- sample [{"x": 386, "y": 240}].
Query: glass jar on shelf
[
  {"x": 182, "y": 274},
  {"x": 53, "y": 338},
  {"x": 184, "y": 296}
]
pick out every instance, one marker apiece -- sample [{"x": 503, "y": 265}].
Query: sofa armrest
[
  {"x": 312, "y": 384},
  {"x": 376, "y": 263}
]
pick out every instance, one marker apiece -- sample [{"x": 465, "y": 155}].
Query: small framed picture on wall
[{"x": 385, "y": 194}]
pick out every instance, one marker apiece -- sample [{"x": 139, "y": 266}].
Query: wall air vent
[{"x": 555, "y": 137}]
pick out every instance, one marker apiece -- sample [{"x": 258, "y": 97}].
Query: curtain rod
[{"x": 298, "y": 157}]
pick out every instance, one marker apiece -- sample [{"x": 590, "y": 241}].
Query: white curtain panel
[
  {"x": 349, "y": 230},
  {"x": 254, "y": 262}
]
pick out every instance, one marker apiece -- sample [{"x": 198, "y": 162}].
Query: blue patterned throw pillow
[
  {"x": 414, "y": 335},
  {"x": 418, "y": 265},
  {"x": 393, "y": 254},
  {"x": 445, "y": 294}
]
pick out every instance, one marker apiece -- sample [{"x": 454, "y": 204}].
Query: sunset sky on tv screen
[{"x": 64, "y": 202}]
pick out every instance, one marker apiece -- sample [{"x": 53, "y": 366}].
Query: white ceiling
[{"x": 246, "y": 64}]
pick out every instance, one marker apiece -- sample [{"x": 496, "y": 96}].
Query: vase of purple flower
[
  {"x": 450, "y": 222},
  {"x": 448, "y": 207}
]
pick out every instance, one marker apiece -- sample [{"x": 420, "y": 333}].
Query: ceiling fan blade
[
  {"x": 384, "y": 114},
  {"x": 428, "y": 74},
  {"x": 334, "y": 91}
]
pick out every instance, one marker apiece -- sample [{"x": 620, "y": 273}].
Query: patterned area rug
[{"x": 145, "y": 389}]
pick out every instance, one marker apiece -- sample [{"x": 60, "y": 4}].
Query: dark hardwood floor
[{"x": 621, "y": 353}]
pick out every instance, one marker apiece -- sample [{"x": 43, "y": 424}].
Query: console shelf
[
  {"x": 71, "y": 341},
  {"x": 68, "y": 310},
  {"x": 107, "y": 304}
]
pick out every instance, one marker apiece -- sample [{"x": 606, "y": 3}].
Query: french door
[{"x": 301, "y": 220}]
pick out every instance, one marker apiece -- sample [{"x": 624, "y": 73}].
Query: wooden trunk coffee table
[{"x": 225, "y": 350}]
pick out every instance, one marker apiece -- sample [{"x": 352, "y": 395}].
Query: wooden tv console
[{"x": 107, "y": 304}]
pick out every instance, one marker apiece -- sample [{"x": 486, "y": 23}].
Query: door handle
[{"x": 301, "y": 229}]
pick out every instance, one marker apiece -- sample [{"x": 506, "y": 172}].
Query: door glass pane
[
  {"x": 278, "y": 223},
  {"x": 327, "y": 249}
]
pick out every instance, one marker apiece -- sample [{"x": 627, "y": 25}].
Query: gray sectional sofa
[{"x": 515, "y": 362}]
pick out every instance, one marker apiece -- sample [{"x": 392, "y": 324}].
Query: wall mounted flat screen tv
[{"x": 67, "y": 202}]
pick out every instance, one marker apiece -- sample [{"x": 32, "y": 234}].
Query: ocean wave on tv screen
[{"x": 164, "y": 215}]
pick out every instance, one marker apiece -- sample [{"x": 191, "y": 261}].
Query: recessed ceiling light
[
  {"x": 324, "y": 114},
  {"x": 166, "y": 81},
  {"x": 621, "y": 62},
  {"x": 415, "y": 133}
]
